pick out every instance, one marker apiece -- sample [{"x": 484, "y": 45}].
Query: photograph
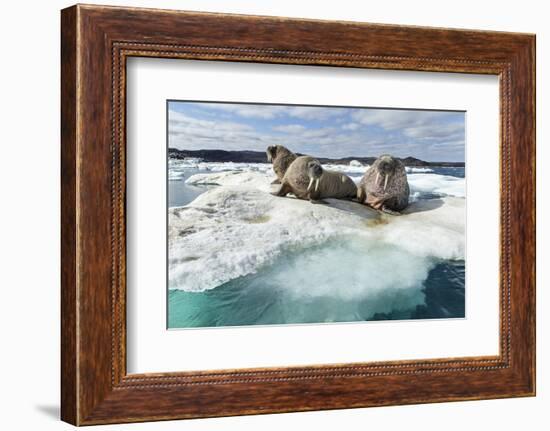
[{"x": 299, "y": 214}]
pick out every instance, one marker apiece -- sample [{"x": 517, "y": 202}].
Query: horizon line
[{"x": 319, "y": 157}]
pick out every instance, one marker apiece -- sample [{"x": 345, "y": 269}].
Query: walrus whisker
[
  {"x": 385, "y": 185},
  {"x": 310, "y": 184}
]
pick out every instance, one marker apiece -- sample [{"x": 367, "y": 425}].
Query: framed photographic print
[
  {"x": 264, "y": 215},
  {"x": 240, "y": 255}
]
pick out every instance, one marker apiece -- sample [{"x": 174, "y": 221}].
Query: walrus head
[
  {"x": 315, "y": 172},
  {"x": 271, "y": 152},
  {"x": 274, "y": 151},
  {"x": 385, "y": 169}
]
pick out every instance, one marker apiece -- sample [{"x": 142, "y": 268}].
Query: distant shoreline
[{"x": 260, "y": 157}]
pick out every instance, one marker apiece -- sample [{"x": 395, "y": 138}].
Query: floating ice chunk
[
  {"x": 231, "y": 231},
  {"x": 192, "y": 160},
  {"x": 259, "y": 180},
  {"x": 437, "y": 184},
  {"x": 180, "y": 164},
  {"x": 411, "y": 170},
  {"x": 238, "y": 228},
  {"x": 260, "y": 177},
  {"x": 347, "y": 169},
  {"x": 196, "y": 163},
  {"x": 174, "y": 175},
  {"x": 356, "y": 164},
  {"x": 235, "y": 230},
  {"x": 430, "y": 228}
]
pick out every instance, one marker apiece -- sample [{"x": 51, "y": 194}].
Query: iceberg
[{"x": 238, "y": 228}]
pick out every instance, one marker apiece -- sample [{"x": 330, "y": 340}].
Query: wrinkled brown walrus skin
[
  {"x": 301, "y": 180},
  {"x": 384, "y": 185}
]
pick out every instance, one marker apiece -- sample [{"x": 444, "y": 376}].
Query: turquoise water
[
  {"x": 338, "y": 281},
  {"x": 180, "y": 194}
]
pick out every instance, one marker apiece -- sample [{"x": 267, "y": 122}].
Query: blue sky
[{"x": 318, "y": 131}]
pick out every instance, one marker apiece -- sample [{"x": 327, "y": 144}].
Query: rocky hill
[{"x": 260, "y": 157}]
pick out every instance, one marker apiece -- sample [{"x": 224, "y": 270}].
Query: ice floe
[
  {"x": 444, "y": 185},
  {"x": 256, "y": 179},
  {"x": 238, "y": 228},
  {"x": 177, "y": 167},
  {"x": 351, "y": 170},
  {"x": 195, "y": 163}
]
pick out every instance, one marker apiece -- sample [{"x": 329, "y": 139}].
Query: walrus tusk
[
  {"x": 317, "y": 184},
  {"x": 310, "y": 184},
  {"x": 386, "y": 182},
  {"x": 377, "y": 177}
]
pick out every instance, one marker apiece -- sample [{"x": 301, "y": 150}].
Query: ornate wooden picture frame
[{"x": 96, "y": 41}]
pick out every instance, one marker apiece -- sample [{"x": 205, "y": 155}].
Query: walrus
[
  {"x": 384, "y": 186},
  {"x": 308, "y": 180},
  {"x": 281, "y": 157}
]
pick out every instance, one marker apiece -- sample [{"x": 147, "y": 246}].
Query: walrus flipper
[
  {"x": 315, "y": 197},
  {"x": 361, "y": 195},
  {"x": 322, "y": 202},
  {"x": 389, "y": 211},
  {"x": 283, "y": 190}
]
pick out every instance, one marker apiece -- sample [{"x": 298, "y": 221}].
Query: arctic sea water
[{"x": 282, "y": 292}]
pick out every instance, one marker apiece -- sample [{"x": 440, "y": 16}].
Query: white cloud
[
  {"x": 265, "y": 112},
  {"x": 436, "y": 131},
  {"x": 414, "y": 124},
  {"x": 180, "y": 122},
  {"x": 268, "y": 112},
  {"x": 391, "y": 119},
  {"x": 193, "y": 133},
  {"x": 314, "y": 113},
  {"x": 289, "y": 128},
  {"x": 187, "y": 132},
  {"x": 323, "y": 132},
  {"x": 350, "y": 126},
  {"x": 427, "y": 138}
]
